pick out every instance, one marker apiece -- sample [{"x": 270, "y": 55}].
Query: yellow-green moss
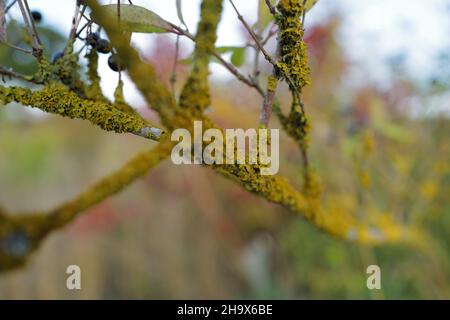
[
  {"x": 195, "y": 94},
  {"x": 65, "y": 69},
  {"x": 94, "y": 91},
  {"x": 119, "y": 100},
  {"x": 32, "y": 229},
  {"x": 272, "y": 83},
  {"x": 143, "y": 74},
  {"x": 55, "y": 98},
  {"x": 28, "y": 231},
  {"x": 296, "y": 125},
  {"x": 293, "y": 60}
]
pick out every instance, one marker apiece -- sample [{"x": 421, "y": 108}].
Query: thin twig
[
  {"x": 272, "y": 9},
  {"x": 37, "y": 50},
  {"x": 273, "y": 31},
  {"x": 253, "y": 35},
  {"x": 75, "y": 23},
  {"x": 231, "y": 68},
  {"x": 266, "y": 110},
  {"x": 82, "y": 28},
  {"x": 10, "y": 6},
  {"x": 256, "y": 71},
  {"x": 33, "y": 25},
  {"x": 118, "y": 12},
  {"x": 10, "y": 73},
  {"x": 173, "y": 78},
  {"x": 17, "y": 48}
]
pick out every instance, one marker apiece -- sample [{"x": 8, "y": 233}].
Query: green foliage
[
  {"x": 52, "y": 41},
  {"x": 135, "y": 19},
  {"x": 237, "y": 54}
]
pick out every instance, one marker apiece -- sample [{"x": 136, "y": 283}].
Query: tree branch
[
  {"x": 32, "y": 229},
  {"x": 57, "y": 99},
  {"x": 195, "y": 94}
]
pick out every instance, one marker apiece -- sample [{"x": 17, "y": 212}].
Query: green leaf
[
  {"x": 136, "y": 19},
  {"x": 264, "y": 17},
  {"x": 309, "y": 4},
  {"x": 238, "y": 56},
  {"x": 225, "y": 49}
]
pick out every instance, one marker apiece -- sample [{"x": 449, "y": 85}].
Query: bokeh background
[{"x": 381, "y": 78}]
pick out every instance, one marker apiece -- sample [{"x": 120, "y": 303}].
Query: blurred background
[{"x": 379, "y": 105}]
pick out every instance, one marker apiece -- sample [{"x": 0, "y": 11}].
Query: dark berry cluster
[{"x": 95, "y": 41}]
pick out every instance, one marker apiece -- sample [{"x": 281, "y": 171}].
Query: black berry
[
  {"x": 103, "y": 46},
  {"x": 113, "y": 63},
  {"x": 37, "y": 16},
  {"x": 92, "y": 39},
  {"x": 58, "y": 55}
]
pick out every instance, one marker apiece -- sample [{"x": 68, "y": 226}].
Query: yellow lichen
[
  {"x": 94, "y": 91},
  {"x": 293, "y": 60},
  {"x": 119, "y": 100},
  {"x": 272, "y": 83},
  {"x": 21, "y": 234},
  {"x": 336, "y": 218},
  {"x": 55, "y": 98},
  {"x": 195, "y": 94}
]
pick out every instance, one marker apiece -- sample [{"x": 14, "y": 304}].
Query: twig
[
  {"x": 253, "y": 35},
  {"x": 273, "y": 31},
  {"x": 10, "y": 73},
  {"x": 17, "y": 48},
  {"x": 266, "y": 109},
  {"x": 151, "y": 133},
  {"x": 256, "y": 71},
  {"x": 82, "y": 28},
  {"x": 118, "y": 12},
  {"x": 10, "y": 6},
  {"x": 33, "y": 25},
  {"x": 75, "y": 23},
  {"x": 231, "y": 68},
  {"x": 272, "y": 9},
  {"x": 3, "y": 31},
  {"x": 263, "y": 50},
  {"x": 37, "y": 51},
  {"x": 173, "y": 78}
]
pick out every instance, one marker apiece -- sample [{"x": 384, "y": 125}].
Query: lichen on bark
[{"x": 56, "y": 98}]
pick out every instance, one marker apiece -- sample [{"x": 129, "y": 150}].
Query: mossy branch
[
  {"x": 94, "y": 91},
  {"x": 274, "y": 189},
  {"x": 30, "y": 230},
  {"x": 21, "y": 234},
  {"x": 336, "y": 222},
  {"x": 57, "y": 99},
  {"x": 143, "y": 74},
  {"x": 195, "y": 94}
]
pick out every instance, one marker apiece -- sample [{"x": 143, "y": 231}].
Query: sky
[{"x": 373, "y": 31}]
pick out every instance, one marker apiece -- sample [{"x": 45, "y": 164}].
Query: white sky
[{"x": 372, "y": 30}]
